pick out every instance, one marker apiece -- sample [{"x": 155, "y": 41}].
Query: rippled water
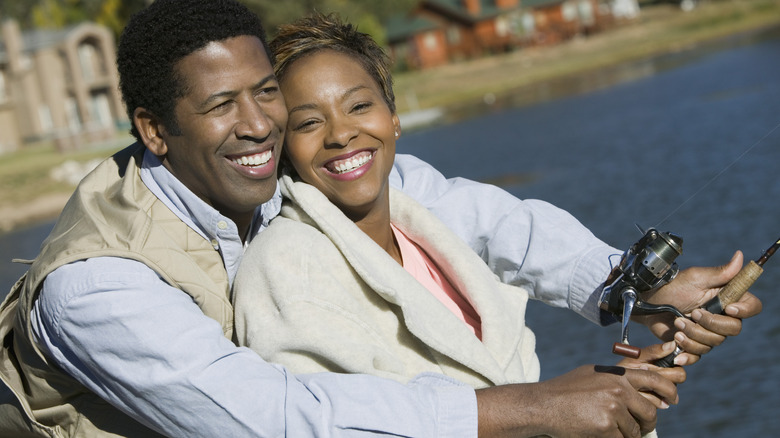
[
  {"x": 692, "y": 148},
  {"x": 689, "y": 143}
]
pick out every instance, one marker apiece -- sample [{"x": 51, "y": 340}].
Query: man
[{"x": 122, "y": 325}]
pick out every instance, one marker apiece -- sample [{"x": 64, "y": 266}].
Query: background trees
[{"x": 368, "y": 15}]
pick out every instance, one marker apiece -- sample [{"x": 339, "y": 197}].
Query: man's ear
[{"x": 151, "y": 129}]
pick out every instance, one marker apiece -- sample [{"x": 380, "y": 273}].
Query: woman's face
[{"x": 341, "y": 133}]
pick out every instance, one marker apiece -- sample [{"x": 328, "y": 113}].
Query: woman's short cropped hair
[{"x": 328, "y": 32}]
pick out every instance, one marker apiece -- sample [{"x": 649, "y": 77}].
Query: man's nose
[{"x": 253, "y": 121}]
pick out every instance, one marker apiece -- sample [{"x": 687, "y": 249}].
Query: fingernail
[
  {"x": 679, "y": 323},
  {"x": 664, "y": 405},
  {"x": 731, "y": 311},
  {"x": 696, "y": 315},
  {"x": 679, "y": 337},
  {"x": 680, "y": 360},
  {"x": 669, "y": 346}
]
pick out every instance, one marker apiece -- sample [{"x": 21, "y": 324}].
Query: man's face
[{"x": 231, "y": 121}]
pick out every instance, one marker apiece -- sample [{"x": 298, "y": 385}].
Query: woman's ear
[
  {"x": 397, "y": 125},
  {"x": 151, "y": 129}
]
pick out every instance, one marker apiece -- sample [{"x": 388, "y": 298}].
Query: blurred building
[
  {"x": 437, "y": 32},
  {"x": 60, "y": 85}
]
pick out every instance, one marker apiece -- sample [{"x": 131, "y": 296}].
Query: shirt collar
[{"x": 221, "y": 231}]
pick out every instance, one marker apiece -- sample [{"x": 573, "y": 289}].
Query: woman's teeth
[
  {"x": 254, "y": 160},
  {"x": 351, "y": 163}
]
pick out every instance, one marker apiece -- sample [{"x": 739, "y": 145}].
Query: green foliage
[{"x": 368, "y": 15}]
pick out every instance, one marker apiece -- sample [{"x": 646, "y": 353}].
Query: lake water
[{"x": 688, "y": 143}]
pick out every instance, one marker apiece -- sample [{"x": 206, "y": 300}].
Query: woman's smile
[{"x": 351, "y": 166}]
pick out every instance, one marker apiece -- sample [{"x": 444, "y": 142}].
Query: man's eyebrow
[
  {"x": 230, "y": 93},
  {"x": 307, "y": 106}
]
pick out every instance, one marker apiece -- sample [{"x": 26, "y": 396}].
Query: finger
[
  {"x": 653, "y": 352},
  {"x": 700, "y": 338},
  {"x": 629, "y": 427},
  {"x": 710, "y": 328},
  {"x": 652, "y": 398},
  {"x": 691, "y": 346},
  {"x": 685, "y": 358},
  {"x": 726, "y": 272},
  {"x": 643, "y": 415},
  {"x": 650, "y": 381},
  {"x": 748, "y": 306}
]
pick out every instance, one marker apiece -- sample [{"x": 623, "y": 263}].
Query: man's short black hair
[{"x": 156, "y": 38}]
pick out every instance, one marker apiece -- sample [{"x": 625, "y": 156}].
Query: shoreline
[{"x": 519, "y": 78}]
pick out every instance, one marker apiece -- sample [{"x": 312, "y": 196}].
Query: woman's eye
[
  {"x": 361, "y": 106},
  {"x": 306, "y": 124}
]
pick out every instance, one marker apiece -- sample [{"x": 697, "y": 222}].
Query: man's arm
[
  {"x": 147, "y": 349},
  {"x": 589, "y": 401},
  {"x": 534, "y": 244},
  {"x": 528, "y": 243}
]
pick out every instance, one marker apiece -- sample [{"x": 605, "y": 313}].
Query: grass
[
  {"x": 661, "y": 28},
  {"x": 24, "y": 174}
]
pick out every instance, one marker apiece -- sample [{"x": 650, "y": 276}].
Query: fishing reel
[{"x": 647, "y": 265}]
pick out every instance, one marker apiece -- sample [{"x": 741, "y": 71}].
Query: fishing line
[{"x": 725, "y": 169}]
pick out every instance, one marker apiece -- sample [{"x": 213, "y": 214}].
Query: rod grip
[
  {"x": 735, "y": 288},
  {"x": 731, "y": 293}
]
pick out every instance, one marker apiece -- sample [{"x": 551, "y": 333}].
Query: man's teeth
[
  {"x": 254, "y": 160},
  {"x": 352, "y": 163}
]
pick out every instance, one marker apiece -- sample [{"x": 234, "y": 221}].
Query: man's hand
[
  {"x": 591, "y": 401},
  {"x": 692, "y": 288},
  {"x": 646, "y": 360}
]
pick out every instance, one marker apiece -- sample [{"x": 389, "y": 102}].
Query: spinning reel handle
[{"x": 647, "y": 265}]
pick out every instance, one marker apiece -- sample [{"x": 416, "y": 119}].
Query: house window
[
  {"x": 100, "y": 110},
  {"x": 44, "y": 114},
  {"x": 453, "y": 35},
  {"x": 502, "y": 27},
  {"x": 529, "y": 23},
  {"x": 72, "y": 114},
  {"x": 586, "y": 12},
  {"x": 87, "y": 58},
  {"x": 429, "y": 41},
  {"x": 569, "y": 11},
  {"x": 3, "y": 90}
]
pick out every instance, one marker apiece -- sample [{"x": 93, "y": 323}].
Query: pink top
[{"x": 422, "y": 268}]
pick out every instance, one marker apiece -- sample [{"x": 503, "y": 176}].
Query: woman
[{"x": 370, "y": 281}]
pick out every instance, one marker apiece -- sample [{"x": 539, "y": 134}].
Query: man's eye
[
  {"x": 268, "y": 91},
  {"x": 221, "y": 106}
]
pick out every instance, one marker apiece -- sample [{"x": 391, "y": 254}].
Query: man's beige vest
[{"x": 111, "y": 213}]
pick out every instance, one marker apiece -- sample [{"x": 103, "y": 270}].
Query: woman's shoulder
[{"x": 285, "y": 236}]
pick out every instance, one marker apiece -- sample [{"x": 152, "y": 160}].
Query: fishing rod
[
  {"x": 731, "y": 293},
  {"x": 649, "y": 264}
]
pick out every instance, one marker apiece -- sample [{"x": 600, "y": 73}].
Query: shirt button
[
  {"x": 215, "y": 244},
  {"x": 222, "y": 225}
]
